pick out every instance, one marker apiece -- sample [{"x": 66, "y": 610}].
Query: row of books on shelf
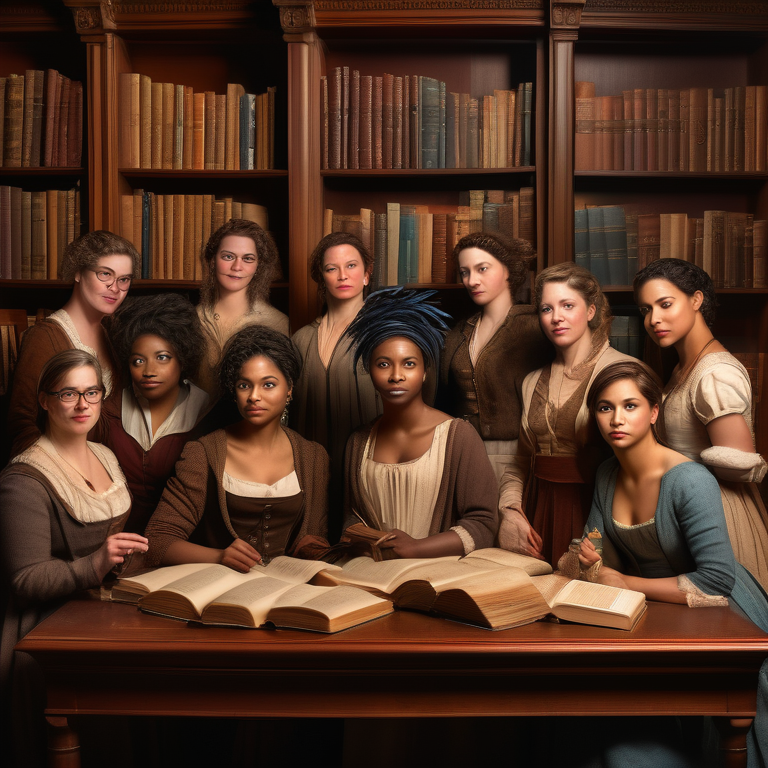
[
  {"x": 170, "y": 231},
  {"x": 35, "y": 227},
  {"x": 168, "y": 126},
  {"x": 41, "y": 120},
  {"x": 413, "y": 121},
  {"x": 615, "y": 241},
  {"x": 414, "y": 243},
  {"x": 669, "y": 129}
]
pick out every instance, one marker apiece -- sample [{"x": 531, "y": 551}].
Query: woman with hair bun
[
  {"x": 546, "y": 490},
  {"x": 101, "y": 267},
  {"x": 240, "y": 261},
  {"x": 415, "y": 471},
  {"x": 159, "y": 343},
  {"x": 707, "y": 409},
  {"x": 486, "y": 357},
  {"x": 255, "y": 490}
]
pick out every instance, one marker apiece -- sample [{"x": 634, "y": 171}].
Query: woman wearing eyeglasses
[
  {"x": 63, "y": 504},
  {"x": 100, "y": 266}
]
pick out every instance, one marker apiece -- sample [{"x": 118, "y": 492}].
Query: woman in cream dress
[{"x": 707, "y": 409}]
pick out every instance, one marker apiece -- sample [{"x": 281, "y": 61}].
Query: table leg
[
  {"x": 733, "y": 740},
  {"x": 63, "y": 744}
]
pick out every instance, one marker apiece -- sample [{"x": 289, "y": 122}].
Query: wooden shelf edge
[
  {"x": 719, "y": 175},
  {"x": 379, "y": 172},
  {"x": 42, "y": 171},
  {"x": 156, "y": 173}
]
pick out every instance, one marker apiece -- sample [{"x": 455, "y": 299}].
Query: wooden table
[{"x": 110, "y": 659}]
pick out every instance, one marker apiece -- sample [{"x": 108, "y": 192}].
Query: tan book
[
  {"x": 188, "y": 252},
  {"x": 276, "y": 595},
  {"x": 145, "y": 122},
  {"x": 62, "y": 124},
  {"x": 424, "y": 225},
  {"x": 197, "y": 238},
  {"x": 188, "y": 148},
  {"x": 169, "y": 117},
  {"x": 179, "y": 230},
  {"x": 761, "y": 127},
  {"x": 15, "y": 272},
  {"x": 750, "y": 128},
  {"x": 52, "y": 106},
  {"x": 52, "y": 232},
  {"x": 207, "y": 221},
  {"x": 138, "y": 214},
  {"x": 584, "y": 138},
  {"x": 218, "y": 214},
  {"x": 157, "y": 125},
  {"x": 39, "y": 242},
  {"x": 38, "y": 129},
  {"x": 157, "y": 212},
  {"x": 177, "y": 157},
  {"x": 198, "y": 131},
  {"x": 70, "y": 215},
  {"x": 61, "y": 236},
  {"x": 210, "y": 131},
  {"x": 14, "y": 121},
  {"x": 232, "y": 135},
  {"x": 129, "y": 120},
  {"x": 26, "y": 236},
  {"x": 237, "y": 210},
  {"x": 26, "y": 134},
  {"x": 221, "y": 133},
  {"x": 697, "y": 129}
]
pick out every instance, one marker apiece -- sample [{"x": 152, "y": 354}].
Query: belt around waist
[{"x": 561, "y": 469}]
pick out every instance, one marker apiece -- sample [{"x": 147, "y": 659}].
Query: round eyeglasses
[
  {"x": 71, "y": 396},
  {"x": 109, "y": 278}
]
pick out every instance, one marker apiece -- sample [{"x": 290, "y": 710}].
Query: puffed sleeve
[
  {"x": 35, "y": 575},
  {"x": 182, "y": 504},
  {"x": 721, "y": 391}
]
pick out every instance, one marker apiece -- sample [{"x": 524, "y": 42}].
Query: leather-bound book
[
  {"x": 473, "y": 134},
  {"x": 718, "y": 142},
  {"x": 451, "y": 130},
  {"x": 15, "y": 272},
  {"x": 748, "y": 257},
  {"x": 129, "y": 119},
  {"x": 397, "y": 122},
  {"x": 187, "y": 129},
  {"x": 628, "y": 110},
  {"x": 353, "y": 143},
  {"x": 249, "y": 138},
  {"x": 527, "y": 215},
  {"x": 698, "y": 242},
  {"x": 730, "y": 122},
  {"x": 146, "y": 236},
  {"x": 197, "y": 238},
  {"x": 414, "y": 123},
  {"x": 639, "y": 143},
  {"x": 324, "y": 138},
  {"x": 697, "y": 129},
  {"x": 584, "y": 138},
  {"x": 259, "y": 155},
  {"x": 605, "y": 105},
  {"x": 344, "y": 132},
  {"x": 581, "y": 238},
  {"x": 424, "y": 224},
  {"x": 157, "y": 125},
  {"x": 486, "y": 131},
  {"x": 648, "y": 238},
  {"x": 761, "y": 127},
  {"x": 750, "y": 128},
  {"x": 219, "y": 217},
  {"x": 61, "y": 236},
  {"x": 463, "y": 129},
  {"x": 710, "y": 129},
  {"x": 209, "y": 152},
  {"x": 169, "y": 231},
  {"x": 685, "y": 129},
  {"x": 367, "y": 225},
  {"x": 63, "y": 127},
  {"x": 714, "y": 246},
  {"x": 198, "y": 131},
  {"x": 179, "y": 229},
  {"x": 14, "y": 121},
  {"x": 663, "y": 129},
  {"x": 526, "y": 116},
  {"x": 169, "y": 124},
  {"x": 440, "y": 253},
  {"x": 405, "y": 110},
  {"x": 232, "y": 135},
  {"x": 393, "y": 243},
  {"x": 379, "y": 251},
  {"x": 49, "y": 116},
  {"x": 26, "y": 133},
  {"x": 188, "y": 253},
  {"x": 739, "y": 107},
  {"x": 158, "y": 240},
  {"x": 26, "y": 236},
  {"x": 387, "y": 131},
  {"x": 2, "y": 117},
  {"x": 5, "y": 232},
  {"x": 75, "y": 128},
  {"x": 145, "y": 121},
  {"x": 70, "y": 216},
  {"x": 509, "y": 214},
  {"x": 52, "y": 232},
  {"x": 598, "y": 247},
  {"x": 673, "y": 135},
  {"x": 652, "y": 129},
  {"x": 228, "y": 201},
  {"x": 615, "y": 227},
  {"x": 734, "y": 225},
  {"x": 365, "y": 137},
  {"x": 441, "y": 124},
  {"x": 513, "y": 128},
  {"x": 38, "y": 128},
  {"x": 138, "y": 215},
  {"x": 271, "y": 112},
  {"x": 377, "y": 112},
  {"x": 334, "y": 119},
  {"x": 207, "y": 219},
  {"x": 500, "y": 155},
  {"x": 39, "y": 243},
  {"x": 759, "y": 245},
  {"x": 673, "y": 231},
  {"x": 221, "y": 132}
]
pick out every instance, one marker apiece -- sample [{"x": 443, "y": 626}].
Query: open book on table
[{"x": 276, "y": 594}]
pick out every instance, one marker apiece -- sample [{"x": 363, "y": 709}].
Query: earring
[
  {"x": 284, "y": 417},
  {"x": 424, "y": 378}
]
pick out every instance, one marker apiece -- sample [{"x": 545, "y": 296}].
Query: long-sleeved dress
[
  {"x": 718, "y": 386},
  {"x": 550, "y": 478}
]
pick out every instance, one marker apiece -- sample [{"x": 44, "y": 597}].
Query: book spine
[
  {"x": 26, "y": 135},
  {"x": 145, "y": 121},
  {"x": 697, "y": 129},
  {"x": 628, "y": 107},
  {"x": 652, "y": 128},
  {"x": 344, "y": 117},
  {"x": 39, "y": 240},
  {"x": 397, "y": 122},
  {"x": 63, "y": 124},
  {"x": 188, "y": 128},
  {"x": 324, "y": 122},
  {"x": 387, "y": 132},
  {"x": 739, "y": 110},
  {"x": 14, "y": 121},
  {"x": 378, "y": 106},
  {"x": 198, "y": 131},
  {"x": 406, "y": 121},
  {"x": 354, "y": 120},
  {"x": 663, "y": 129},
  {"x": 685, "y": 127},
  {"x": 177, "y": 159},
  {"x": 220, "y": 133},
  {"x": 157, "y": 126},
  {"x": 334, "y": 119},
  {"x": 365, "y": 141},
  {"x": 673, "y": 134}
]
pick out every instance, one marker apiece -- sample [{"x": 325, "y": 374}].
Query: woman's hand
[
  {"x": 240, "y": 556},
  {"x": 588, "y": 555},
  {"x": 611, "y": 578},
  {"x": 517, "y": 535},
  {"x": 116, "y": 548},
  {"x": 403, "y": 544}
]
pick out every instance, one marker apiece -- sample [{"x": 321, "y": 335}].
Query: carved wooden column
[
  {"x": 565, "y": 18},
  {"x": 94, "y": 21},
  {"x": 305, "y": 186}
]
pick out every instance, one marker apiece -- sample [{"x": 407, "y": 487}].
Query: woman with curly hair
[
  {"x": 255, "y": 490},
  {"x": 240, "y": 261},
  {"x": 334, "y": 396},
  {"x": 546, "y": 490},
  {"x": 159, "y": 342},
  {"x": 707, "y": 408},
  {"x": 101, "y": 267},
  {"x": 415, "y": 472},
  {"x": 487, "y": 356}
]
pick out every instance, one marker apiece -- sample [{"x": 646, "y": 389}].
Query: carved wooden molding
[
  {"x": 565, "y": 14},
  {"x": 191, "y": 6},
  {"x": 739, "y": 7},
  {"x": 426, "y": 5},
  {"x": 92, "y": 17},
  {"x": 296, "y": 16},
  {"x": 27, "y": 16}
]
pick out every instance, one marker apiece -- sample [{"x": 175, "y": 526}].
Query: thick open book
[
  {"x": 276, "y": 594},
  {"x": 491, "y": 588}
]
